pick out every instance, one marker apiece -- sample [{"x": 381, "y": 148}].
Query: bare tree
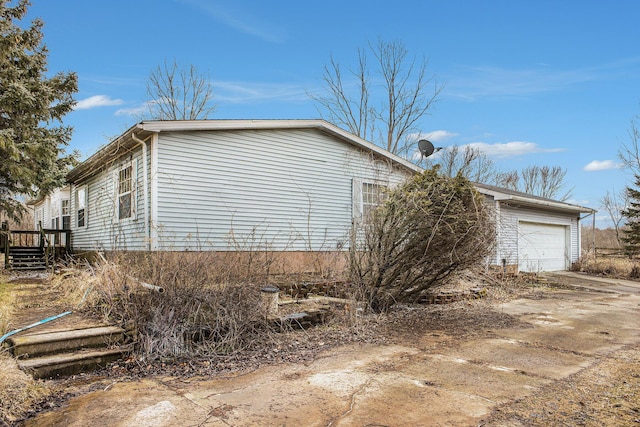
[
  {"x": 508, "y": 179},
  {"x": 629, "y": 153},
  {"x": 179, "y": 93},
  {"x": 543, "y": 181},
  {"x": 467, "y": 161},
  {"x": 406, "y": 95},
  {"x": 352, "y": 113},
  {"x": 614, "y": 203},
  {"x": 477, "y": 166}
]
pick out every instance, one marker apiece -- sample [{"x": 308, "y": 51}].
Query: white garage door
[{"x": 542, "y": 247}]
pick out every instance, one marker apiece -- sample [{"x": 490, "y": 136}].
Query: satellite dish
[{"x": 426, "y": 147}]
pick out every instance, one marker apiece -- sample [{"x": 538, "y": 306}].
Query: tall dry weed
[
  {"x": 621, "y": 268},
  {"x": 178, "y": 303},
  {"x": 19, "y": 392}
]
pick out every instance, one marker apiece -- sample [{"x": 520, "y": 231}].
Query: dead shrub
[
  {"x": 427, "y": 231},
  {"x": 200, "y": 310}
]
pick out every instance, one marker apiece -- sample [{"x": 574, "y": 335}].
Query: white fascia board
[
  {"x": 532, "y": 201},
  {"x": 550, "y": 204},
  {"x": 554, "y": 205}
]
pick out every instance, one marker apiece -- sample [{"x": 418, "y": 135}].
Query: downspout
[
  {"x": 145, "y": 178},
  {"x": 593, "y": 230}
]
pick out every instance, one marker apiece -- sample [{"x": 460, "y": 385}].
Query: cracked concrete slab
[{"x": 430, "y": 379}]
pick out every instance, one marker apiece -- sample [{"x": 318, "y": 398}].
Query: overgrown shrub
[
  {"x": 425, "y": 232},
  {"x": 198, "y": 310}
]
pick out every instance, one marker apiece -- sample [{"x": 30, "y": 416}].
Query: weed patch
[
  {"x": 19, "y": 393},
  {"x": 620, "y": 268}
]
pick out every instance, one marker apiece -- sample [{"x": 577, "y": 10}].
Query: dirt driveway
[{"x": 561, "y": 345}]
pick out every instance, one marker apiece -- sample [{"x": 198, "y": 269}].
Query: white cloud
[
  {"x": 244, "y": 92},
  {"x": 512, "y": 149},
  {"x": 438, "y": 135},
  {"x": 241, "y": 19},
  {"x": 97, "y": 101},
  {"x": 601, "y": 165},
  {"x": 133, "y": 111}
]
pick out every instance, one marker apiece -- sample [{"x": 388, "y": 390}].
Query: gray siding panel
[{"x": 276, "y": 189}]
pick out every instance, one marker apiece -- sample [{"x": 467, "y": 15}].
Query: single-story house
[{"x": 294, "y": 187}]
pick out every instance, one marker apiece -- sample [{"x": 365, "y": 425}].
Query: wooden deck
[{"x": 33, "y": 249}]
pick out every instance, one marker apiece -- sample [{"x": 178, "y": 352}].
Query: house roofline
[
  {"x": 524, "y": 199},
  {"x": 125, "y": 143}
]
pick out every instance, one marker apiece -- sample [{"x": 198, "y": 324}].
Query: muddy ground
[{"x": 552, "y": 355}]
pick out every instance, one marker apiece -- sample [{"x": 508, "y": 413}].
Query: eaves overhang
[
  {"x": 125, "y": 143},
  {"x": 106, "y": 155},
  {"x": 518, "y": 199}
]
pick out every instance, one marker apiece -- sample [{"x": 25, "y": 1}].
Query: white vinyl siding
[
  {"x": 51, "y": 209},
  {"x": 252, "y": 189},
  {"x": 38, "y": 217},
  {"x": 104, "y": 230}
]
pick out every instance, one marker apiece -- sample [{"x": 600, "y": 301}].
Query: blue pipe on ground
[{"x": 48, "y": 319}]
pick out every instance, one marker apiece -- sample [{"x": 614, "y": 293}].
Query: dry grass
[
  {"x": 18, "y": 391},
  {"x": 6, "y": 302},
  {"x": 202, "y": 309},
  {"x": 621, "y": 268}
]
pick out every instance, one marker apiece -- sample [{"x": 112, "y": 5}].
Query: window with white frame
[
  {"x": 38, "y": 216},
  {"x": 81, "y": 206},
  {"x": 372, "y": 196},
  {"x": 125, "y": 192},
  {"x": 65, "y": 210}
]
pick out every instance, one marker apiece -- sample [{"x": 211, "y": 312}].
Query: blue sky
[{"x": 530, "y": 82}]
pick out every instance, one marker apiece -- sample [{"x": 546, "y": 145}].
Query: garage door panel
[{"x": 542, "y": 247}]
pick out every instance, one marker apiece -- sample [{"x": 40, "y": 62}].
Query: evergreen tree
[
  {"x": 33, "y": 140},
  {"x": 631, "y": 238}
]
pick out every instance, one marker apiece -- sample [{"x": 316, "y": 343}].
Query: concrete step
[
  {"x": 71, "y": 363},
  {"x": 37, "y": 344}
]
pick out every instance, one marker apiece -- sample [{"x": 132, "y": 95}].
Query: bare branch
[
  {"x": 614, "y": 203},
  {"x": 404, "y": 95},
  {"x": 177, "y": 93},
  {"x": 426, "y": 232},
  {"x": 469, "y": 162},
  {"x": 629, "y": 153},
  {"x": 545, "y": 181}
]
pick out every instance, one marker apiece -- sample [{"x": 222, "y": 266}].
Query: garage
[{"x": 542, "y": 247}]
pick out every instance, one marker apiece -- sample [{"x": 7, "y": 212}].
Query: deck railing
[{"x": 54, "y": 243}]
